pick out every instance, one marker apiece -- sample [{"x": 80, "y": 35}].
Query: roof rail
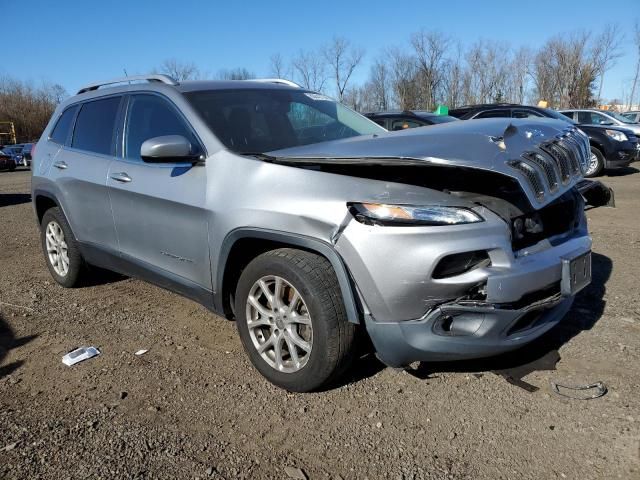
[
  {"x": 281, "y": 81},
  {"x": 166, "y": 79}
]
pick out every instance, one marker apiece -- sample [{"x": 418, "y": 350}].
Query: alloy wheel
[
  {"x": 592, "y": 165},
  {"x": 57, "y": 248},
  {"x": 279, "y": 324}
]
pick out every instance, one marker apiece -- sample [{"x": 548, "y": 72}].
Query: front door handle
[
  {"x": 121, "y": 177},
  {"x": 61, "y": 165}
]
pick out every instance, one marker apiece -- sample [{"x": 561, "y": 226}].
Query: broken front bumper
[
  {"x": 412, "y": 316},
  {"x": 482, "y": 330}
]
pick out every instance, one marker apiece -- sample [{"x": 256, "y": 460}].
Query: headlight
[
  {"x": 381, "y": 214},
  {"x": 616, "y": 135}
]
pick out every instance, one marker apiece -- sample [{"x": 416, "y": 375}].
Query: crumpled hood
[{"x": 543, "y": 155}]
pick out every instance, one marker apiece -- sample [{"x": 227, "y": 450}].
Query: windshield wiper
[{"x": 258, "y": 155}]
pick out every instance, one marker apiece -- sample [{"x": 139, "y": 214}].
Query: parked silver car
[
  {"x": 310, "y": 224},
  {"x": 602, "y": 117},
  {"x": 634, "y": 116}
]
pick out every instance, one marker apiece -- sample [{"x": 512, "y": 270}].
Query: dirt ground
[{"x": 193, "y": 407}]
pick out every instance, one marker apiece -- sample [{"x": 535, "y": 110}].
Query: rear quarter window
[
  {"x": 60, "y": 132},
  {"x": 95, "y": 126}
]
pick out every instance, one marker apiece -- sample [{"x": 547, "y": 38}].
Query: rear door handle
[
  {"x": 121, "y": 177},
  {"x": 61, "y": 165}
]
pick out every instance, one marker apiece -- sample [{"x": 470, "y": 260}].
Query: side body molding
[{"x": 308, "y": 243}]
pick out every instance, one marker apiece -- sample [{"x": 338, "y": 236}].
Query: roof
[
  {"x": 195, "y": 85},
  {"x": 415, "y": 113}
]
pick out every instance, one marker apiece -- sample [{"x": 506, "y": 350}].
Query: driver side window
[{"x": 150, "y": 116}]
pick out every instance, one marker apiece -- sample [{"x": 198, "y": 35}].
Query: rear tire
[
  {"x": 61, "y": 251},
  {"x": 596, "y": 163},
  {"x": 307, "y": 318}
]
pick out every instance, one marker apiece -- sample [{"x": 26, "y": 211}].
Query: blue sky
[{"x": 73, "y": 43}]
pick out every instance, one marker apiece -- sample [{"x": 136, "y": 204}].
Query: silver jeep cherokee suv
[{"x": 308, "y": 223}]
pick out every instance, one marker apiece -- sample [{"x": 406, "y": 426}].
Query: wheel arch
[
  {"x": 244, "y": 244},
  {"x": 43, "y": 201}
]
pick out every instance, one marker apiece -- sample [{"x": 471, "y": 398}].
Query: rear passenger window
[
  {"x": 95, "y": 126},
  {"x": 60, "y": 132},
  {"x": 494, "y": 114},
  {"x": 150, "y": 116},
  {"x": 525, "y": 114},
  {"x": 403, "y": 124}
]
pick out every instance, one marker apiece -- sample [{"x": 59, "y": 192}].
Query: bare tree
[
  {"x": 606, "y": 52},
  {"x": 278, "y": 67},
  {"x": 342, "y": 58},
  {"x": 310, "y": 70},
  {"x": 179, "y": 70},
  {"x": 379, "y": 86},
  {"x": 430, "y": 50},
  {"x": 403, "y": 74},
  {"x": 239, "y": 73}
]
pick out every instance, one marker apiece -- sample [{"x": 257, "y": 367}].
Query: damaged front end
[{"x": 468, "y": 284}]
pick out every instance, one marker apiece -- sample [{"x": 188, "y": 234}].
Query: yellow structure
[{"x": 10, "y": 135}]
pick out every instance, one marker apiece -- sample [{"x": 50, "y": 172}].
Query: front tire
[
  {"x": 596, "y": 163},
  {"x": 61, "y": 251},
  {"x": 292, "y": 321}
]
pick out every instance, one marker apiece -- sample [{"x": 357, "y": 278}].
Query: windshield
[
  {"x": 619, "y": 117},
  {"x": 263, "y": 120}
]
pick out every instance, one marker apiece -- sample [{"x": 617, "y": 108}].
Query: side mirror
[{"x": 167, "y": 149}]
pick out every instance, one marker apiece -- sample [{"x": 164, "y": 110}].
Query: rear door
[
  {"x": 79, "y": 170},
  {"x": 158, "y": 208}
]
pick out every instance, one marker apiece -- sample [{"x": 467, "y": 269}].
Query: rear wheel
[
  {"x": 595, "y": 164},
  {"x": 61, "y": 250},
  {"x": 292, "y": 321}
]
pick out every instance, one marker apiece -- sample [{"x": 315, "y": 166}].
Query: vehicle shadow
[
  {"x": 100, "y": 276},
  {"x": 541, "y": 354},
  {"x": 8, "y": 341},
  {"x": 8, "y": 199},
  {"x": 622, "y": 172}
]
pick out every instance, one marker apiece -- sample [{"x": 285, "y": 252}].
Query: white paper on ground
[
  {"x": 80, "y": 354},
  {"x": 141, "y": 352}
]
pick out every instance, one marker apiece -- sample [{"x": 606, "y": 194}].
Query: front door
[{"x": 159, "y": 208}]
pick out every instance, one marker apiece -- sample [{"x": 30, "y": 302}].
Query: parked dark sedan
[
  {"x": 408, "y": 119},
  {"x": 6, "y": 161},
  {"x": 15, "y": 152},
  {"x": 611, "y": 146}
]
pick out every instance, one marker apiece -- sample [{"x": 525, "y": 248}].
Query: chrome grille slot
[
  {"x": 561, "y": 158},
  {"x": 557, "y": 162},
  {"x": 532, "y": 176},
  {"x": 548, "y": 165}
]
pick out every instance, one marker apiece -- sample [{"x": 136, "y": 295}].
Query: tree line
[
  {"x": 434, "y": 68},
  {"x": 28, "y": 106},
  {"x": 431, "y": 68}
]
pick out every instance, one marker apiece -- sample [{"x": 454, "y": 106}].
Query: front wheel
[
  {"x": 292, "y": 320},
  {"x": 596, "y": 163}
]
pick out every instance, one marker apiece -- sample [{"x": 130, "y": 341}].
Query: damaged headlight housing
[{"x": 398, "y": 215}]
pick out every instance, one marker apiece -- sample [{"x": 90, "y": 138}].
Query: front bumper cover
[{"x": 484, "y": 330}]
